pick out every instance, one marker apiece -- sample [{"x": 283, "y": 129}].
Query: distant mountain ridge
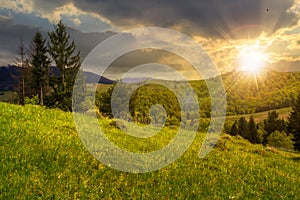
[{"x": 9, "y": 76}]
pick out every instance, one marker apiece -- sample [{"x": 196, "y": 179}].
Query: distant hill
[
  {"x": 9, "y": 76},
  {"x": 94, "y": 78},
  {"x": 249, "y": 93},
  {"x": 245, "y": 93},
  {"x": 268, "y": 90}
]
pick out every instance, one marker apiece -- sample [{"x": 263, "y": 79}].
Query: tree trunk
[
  {"x": 23, "y": 90},
  {"x": 41, "y": 96}
]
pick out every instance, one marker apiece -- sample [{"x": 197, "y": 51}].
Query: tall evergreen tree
[
  {"x": 294, "y": 123},
  {"x": 252, "y": 131},
  {"x": 271, "y": 124},
  {"x": 234, "y": 129},
  {"x": 242, "y": 127},
  {"x": 40, "y": 63},
  {"x": 63, "y": 53}
]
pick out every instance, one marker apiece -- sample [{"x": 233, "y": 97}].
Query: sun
[{"x": 252, "y": 58}]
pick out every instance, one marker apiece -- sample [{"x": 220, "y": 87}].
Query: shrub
[
  {"x": 280, "y": 140},
  {"x": 32, "y": 101}
]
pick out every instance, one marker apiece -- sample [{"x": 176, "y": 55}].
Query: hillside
[
  {"x": 43, "y": 157},
  {"x": 10, "y": 75},
  {"x": 283, "y": 113},
  {"x": 266, "y": 91}
]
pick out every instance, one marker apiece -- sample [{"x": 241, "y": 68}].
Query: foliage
[
  {"x": 243, "y": 127},
  {"x": 63, "y": 53},
  {"x": 257, "y": 133},
  {"x": 271, "y": 124},
  {"x": 34, "y": 100},
  {"x": 294, "y": 123},
  {"x": 103, "y": 101},
  {"x": 271, "y": 90},
  {"x": 252, "y": 132},
  {"x": 280, "y": 140},
  {"x": 40, "y": 63},
  {"x": 234, "y": 129}
]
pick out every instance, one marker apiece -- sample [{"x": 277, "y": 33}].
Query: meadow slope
[{"x": 43, "y": 157}]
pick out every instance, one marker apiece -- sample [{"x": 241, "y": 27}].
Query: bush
[
  {"x": 32, "y": 101},
  {"x": 280, "y": 140}
]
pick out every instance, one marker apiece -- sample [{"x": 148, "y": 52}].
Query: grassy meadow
[
  {"x": 42, "y": 157},
  {"x": 283, "y": 113}
]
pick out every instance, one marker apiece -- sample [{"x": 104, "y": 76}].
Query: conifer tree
[
  {"x": 252, "y": 131},
  {"x": 234, "y": 129},
  {"x": 63, "y": 53},
  {"x": 271, "y": 124},
  {"x": 242, "y": 127},
  {"x": 294, "y": 123},
  {"x": 40, "y": 63}
]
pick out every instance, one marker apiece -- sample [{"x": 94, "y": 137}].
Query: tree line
[
  {"x": 272, "y": 131},
  {"x": 48, "y": 69}
]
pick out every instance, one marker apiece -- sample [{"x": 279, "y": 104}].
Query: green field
[
  {"x": 42, "y": 157},
  {"x": 258, "y": 117}
]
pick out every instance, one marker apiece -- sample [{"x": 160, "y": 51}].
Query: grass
[
  {"x": 258, "y": 117},
  {"x": 42, "y": 157}
]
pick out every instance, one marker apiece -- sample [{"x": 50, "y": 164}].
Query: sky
[{"x": 224, "y": 28}]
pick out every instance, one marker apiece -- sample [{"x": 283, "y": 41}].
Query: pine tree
[
  {"x": 234, "y": 129},
  {"x": 68, "y": 62},
  {"x": 242, "y": 127},
  {"x": 294, "y": 123},
  {"x": 271, "y": 124},
  {"x": 252, "y": 132},
  {"x": 40, "y": 64}
]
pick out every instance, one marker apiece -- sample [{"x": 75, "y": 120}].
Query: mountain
[
  {"x": 95, "y": 78},
  {"x": 136, "y": 80},
  {"x": 9, "y": 76}
]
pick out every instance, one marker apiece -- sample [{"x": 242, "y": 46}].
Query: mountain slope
[
  {"x": 10, "y": 75},
  {"x": 247, "y": 93}
]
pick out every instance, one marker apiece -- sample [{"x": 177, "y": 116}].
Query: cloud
[
  {"x": 57, "y": 10},
  {"x": 237, "y": 18},
  {"x": 11, "y": 33},
  {"x": 77, "y": 22},
  {"x": 194, "y": 17},
  {"x": 218, "y": 25}
]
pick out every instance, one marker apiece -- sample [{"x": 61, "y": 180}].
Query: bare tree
[{"x": 22, "y": 61}]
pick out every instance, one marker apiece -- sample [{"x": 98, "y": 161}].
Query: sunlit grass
[{"x": 43, "y": 157}]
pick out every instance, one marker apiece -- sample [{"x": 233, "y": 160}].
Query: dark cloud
[
  {"x": 10, "y": 36},
  {"x": 86, "y": 42},
  {"x": 11, "y": 33},
  {"x": 196, "y": 17},
  {"x": 46, "y": 5},
  {"x": 132, "y": 59}
]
